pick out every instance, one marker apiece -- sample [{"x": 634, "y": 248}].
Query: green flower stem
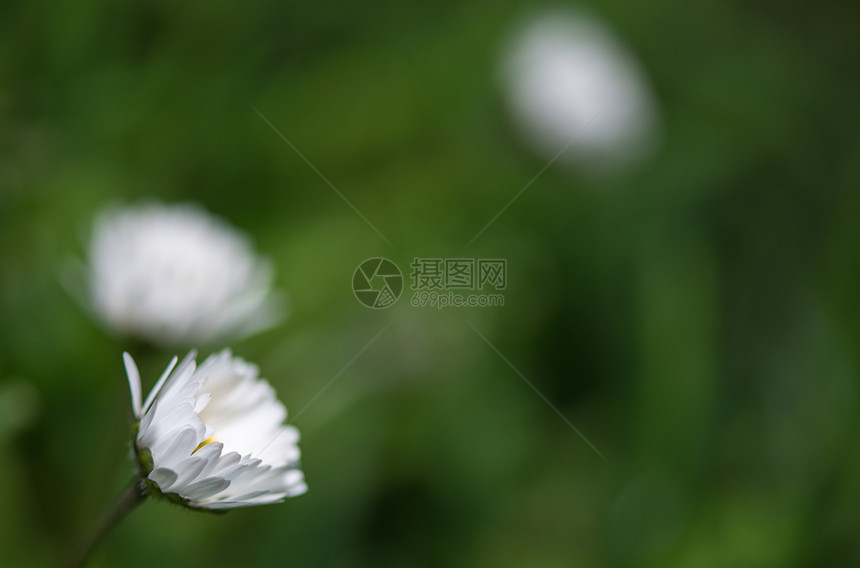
[{"x": 132, "y": 496}]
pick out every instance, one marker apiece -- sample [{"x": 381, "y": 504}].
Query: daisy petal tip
[{"x": 133, "y": 382}]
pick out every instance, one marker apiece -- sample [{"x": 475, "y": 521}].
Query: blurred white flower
[
  {"x": 176, "y": 275},
  {"x": 571, "y": 83},
  {"x": 211, "y": 437}
]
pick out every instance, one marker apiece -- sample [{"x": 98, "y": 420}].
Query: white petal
[
  {"x": 293, "y": 477},
  {"x": 250, "y": 496},
  {"x": 226, "y": 461},
  {"x": 272, "y": 481},
  {"x": 205, "y": 488},
  {"x": 180, "y": 416},
  {"x": 188, "y": 470},
  {"x": 154, "y": 392},
  {"x": 245, "y": 468},
  {"x": 133, "y": 383},
  {"x": 180, "y": 447},
  {"x": 163, "y": 477},
  {"x": 222, "y": 505},
  {"x": 242, "y": 474},
  {"x": 233, "y": 503},
  {"x": 297, "y": 490},
  {"x": 180, "y": 376},
  {"x": 210, "y": 452},
  {"x": 146, "y": 420},
  {"x": 202, "y": 401}
]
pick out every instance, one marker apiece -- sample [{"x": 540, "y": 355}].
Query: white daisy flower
[
  {"x": 211, "y": 437},
  {"x": 572, "y": 84},
  {"x": 176, "y": 275}
]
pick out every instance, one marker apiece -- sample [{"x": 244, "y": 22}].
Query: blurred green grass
[{"x": 696, "y": 317}]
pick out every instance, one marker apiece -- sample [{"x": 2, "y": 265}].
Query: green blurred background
[{"x": 696, "y": 317}]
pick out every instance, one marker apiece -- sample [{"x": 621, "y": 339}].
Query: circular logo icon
[{"x": 377, "y": 283}]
